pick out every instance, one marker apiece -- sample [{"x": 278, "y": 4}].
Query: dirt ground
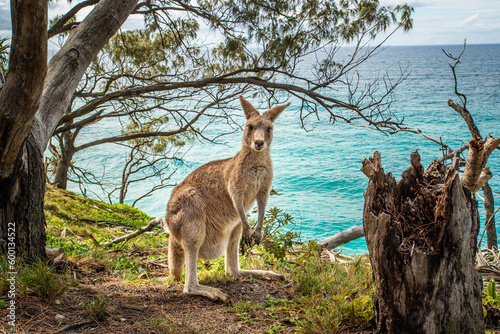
[{"x": 132, "y": 308}]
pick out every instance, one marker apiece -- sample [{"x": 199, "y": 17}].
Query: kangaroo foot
[
  {"x": 262, "y": 274},
  {"x": 207, "y": 291}
]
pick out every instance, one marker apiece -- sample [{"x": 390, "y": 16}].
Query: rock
[
  {"x": 52, "y": 253},
  {"x": 59, "y": 259},
  {"x": 235, "y": 328},
  {"x": 60, "y": 318}
]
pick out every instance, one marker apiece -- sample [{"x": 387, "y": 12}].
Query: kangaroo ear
[
  {"x": 248, "y": 109},
  {"x": 273, "y": 113}
]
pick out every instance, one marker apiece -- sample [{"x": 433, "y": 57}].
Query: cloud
[{"x": 470, "y": 20}]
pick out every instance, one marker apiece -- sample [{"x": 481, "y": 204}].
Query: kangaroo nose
[{"x": 259, "y": 144}]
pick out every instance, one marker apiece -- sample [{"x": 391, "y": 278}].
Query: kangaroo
[{"x": 206, "y": 214}]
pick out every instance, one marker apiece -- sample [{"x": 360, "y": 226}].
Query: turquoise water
[{"x": 318, "y": 171}]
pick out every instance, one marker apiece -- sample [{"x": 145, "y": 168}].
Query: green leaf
[{"x": 491, "y": 289}]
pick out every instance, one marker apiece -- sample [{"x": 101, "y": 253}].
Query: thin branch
[{"x": 74, "y": 326}]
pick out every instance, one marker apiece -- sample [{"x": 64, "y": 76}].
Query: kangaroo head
[{"x": 259, "y": 128}]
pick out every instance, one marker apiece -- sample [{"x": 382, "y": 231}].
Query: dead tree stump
[{"x": 421, "y": 234}]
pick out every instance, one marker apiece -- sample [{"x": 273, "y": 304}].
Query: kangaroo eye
[
  {"x": 269, "y": 130},
  {"x": 250, "y": 127}
]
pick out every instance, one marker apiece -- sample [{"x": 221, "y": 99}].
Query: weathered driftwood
[
  {"x": 421, "y": 234},
  {"x": 369, "y": 164},
  {"x": 476, "y": 174},
  {"x": 342, "y": 237},
  {"x": 488, "y": 264},
  {"x": 489, "y": 146},
  {"x": 474, "y": 165}
]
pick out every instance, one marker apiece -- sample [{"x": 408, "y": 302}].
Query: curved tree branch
[
  {"x": 68, "y": 65},
  {"x": 60, "y": 26}
]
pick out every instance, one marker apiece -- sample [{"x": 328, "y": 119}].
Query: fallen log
[
  {"x": 342, "y": 237},
  {"x": 152, "y": 224}
]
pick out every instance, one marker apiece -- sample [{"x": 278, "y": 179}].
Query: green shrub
[{"x": 278, "y": 235}]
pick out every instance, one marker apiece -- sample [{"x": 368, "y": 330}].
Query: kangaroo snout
[{"x": 259, "y": 144}]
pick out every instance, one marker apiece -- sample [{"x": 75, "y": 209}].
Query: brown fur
[{"x": 206, "y": 214}]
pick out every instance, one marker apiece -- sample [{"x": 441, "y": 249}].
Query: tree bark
[
  {"x": 68, "y": 65},
  {"x": 22, "y": 180},
  {"x": 488, "y": 147},
  {"x": 421, "y": 234},
  {"x": 21, "y": 204}
]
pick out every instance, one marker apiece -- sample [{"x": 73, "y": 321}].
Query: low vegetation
[{"x": 318, "y": 296}]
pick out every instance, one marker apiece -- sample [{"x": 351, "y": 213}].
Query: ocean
[{"x": 317, "y": 171}]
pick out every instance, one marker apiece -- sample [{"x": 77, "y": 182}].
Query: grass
[
  {"x": 96, "y": 308},
  {"x": 37, "y": 278},
  {"x": 163, "y": 323},
  {"x": 43, "y": 281},
  {"x": 3, "y": 304},
  {"x": 76, "y": 223}
]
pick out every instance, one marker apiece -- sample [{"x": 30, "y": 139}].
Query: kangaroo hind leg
[
  {"x": 193, "y": 234},
  {"x": 175, "y": 258},
  {"x": 192, "y": 286},
  {"x": 232, "y": 264}
]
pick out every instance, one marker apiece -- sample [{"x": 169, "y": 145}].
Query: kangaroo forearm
[
  {"x": 260, "y": 220},
  {"x": 261, "y": 205},
  {"x": 243, "y": 218}
]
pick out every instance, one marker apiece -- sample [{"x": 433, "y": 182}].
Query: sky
[{"x": 436, "y": 22}]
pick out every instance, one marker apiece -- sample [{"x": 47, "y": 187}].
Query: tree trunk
[
  {"x": 421, "y": 234},
  {"x": 61, "y": 173},
  {"x": 22, "y": 178},
  {"x": 489, "y": 206},
  {"x": 67, "y": 146},
  {"x": 21, "y": 205},
  {"x": 68, "y": 65}
]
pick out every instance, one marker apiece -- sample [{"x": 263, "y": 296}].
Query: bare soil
[{"x": 133, "y": 306}]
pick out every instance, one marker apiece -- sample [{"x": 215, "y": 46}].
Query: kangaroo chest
[{"x": 255, "y": 180}]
